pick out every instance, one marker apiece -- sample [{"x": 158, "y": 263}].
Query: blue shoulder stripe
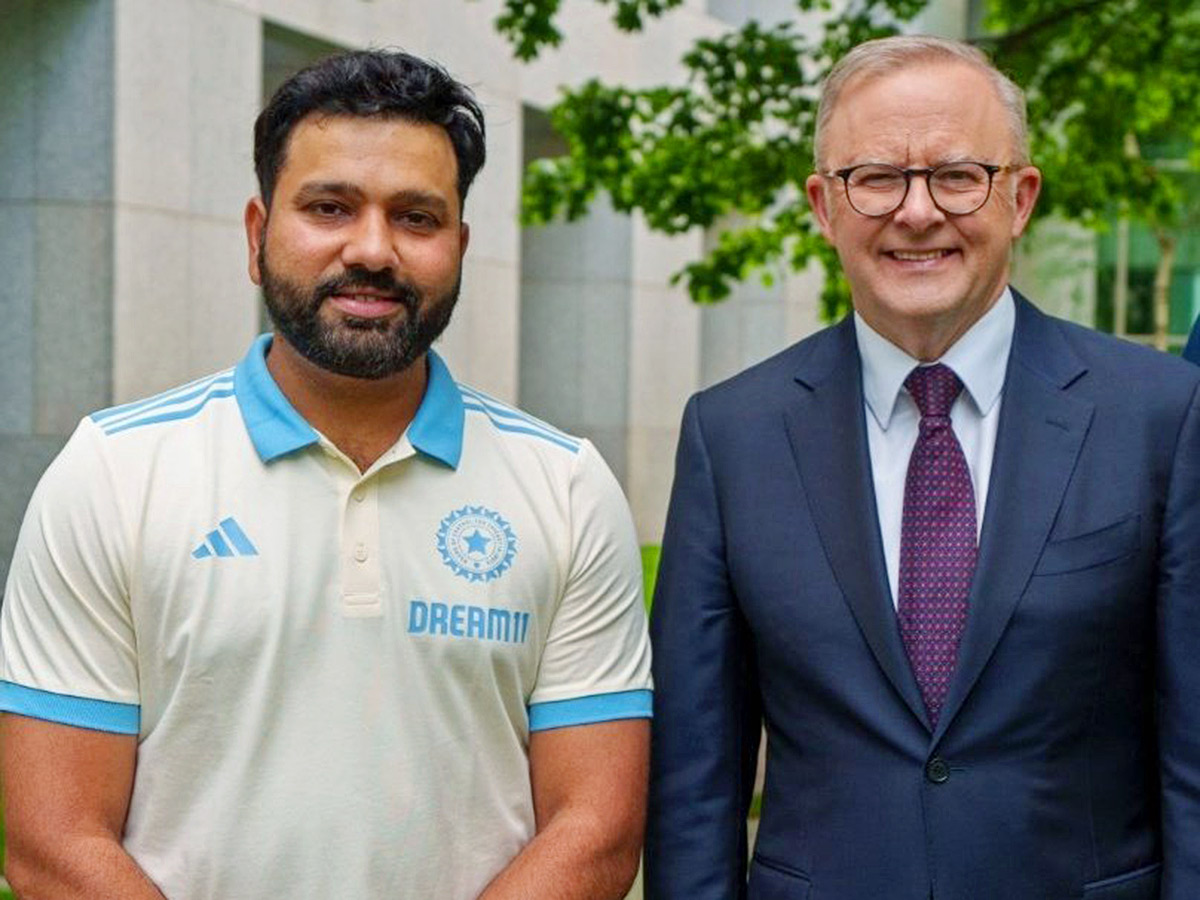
[
  {"x": 176, "y": 394},
  {"x": 501, "y": 425},
  {"x": 110, "y": 425},
  {"x": 82, "y": 712},
  {"x": 506, "y": 418},
  {"x": 504, "y": 411},
  {"x": 596, "y": 708},
  {"x": 214, "y": 392}
]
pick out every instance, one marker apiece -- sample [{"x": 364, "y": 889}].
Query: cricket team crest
[{"x": 476, "y": 543}]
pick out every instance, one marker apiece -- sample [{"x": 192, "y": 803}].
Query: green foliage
[
  {"x": 529, "y": 24},
  {"x": 650, "y": 555},
  {"x": 1108, "y": 80}
]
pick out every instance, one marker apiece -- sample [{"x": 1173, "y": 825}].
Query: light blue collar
[
  {"x": 437, "y": 428},
  {"x": 979, "y": 358},
  {"x": 276, "y": 429}
]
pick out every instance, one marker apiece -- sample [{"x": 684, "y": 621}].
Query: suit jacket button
[{"x": 937, "y": 770}]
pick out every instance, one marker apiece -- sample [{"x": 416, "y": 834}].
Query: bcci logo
[{"x": 476, "y": 543}]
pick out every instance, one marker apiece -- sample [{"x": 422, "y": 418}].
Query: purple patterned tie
[{"x": 937, "y": 539}]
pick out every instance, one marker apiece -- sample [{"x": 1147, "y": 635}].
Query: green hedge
[{"x": 650, "y": 554}]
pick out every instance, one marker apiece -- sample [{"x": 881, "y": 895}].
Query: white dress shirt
[{"x": 979, "y": 358}]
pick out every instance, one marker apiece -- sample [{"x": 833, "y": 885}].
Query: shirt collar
[
  {"x": 979, "y": 358},
  {"x": 437, "y": 428},
  {"x": 276, "y": 429}
]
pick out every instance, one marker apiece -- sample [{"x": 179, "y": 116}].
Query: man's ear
[
  {"x": 816, "y": 187},
  {"x": 464, "y": 238},
  {"x": 1029, "y": 185},
  {"x": 255, "y": 220}
]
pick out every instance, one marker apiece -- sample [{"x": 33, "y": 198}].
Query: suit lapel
[
  {"x": 1038, "y": 439},
  {"x": 828, "y": 439}
]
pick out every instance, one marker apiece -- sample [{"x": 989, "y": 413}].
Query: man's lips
[
  {"x": 365, "y": 304},
  {"x": 928, "y": 257}
]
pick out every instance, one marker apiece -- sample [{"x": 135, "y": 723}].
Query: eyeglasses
[{"x": 956, "y": 188}]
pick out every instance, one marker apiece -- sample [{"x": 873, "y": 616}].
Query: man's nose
[
  {"x": 369, "y": 243},
  {"x": 918, "y": 209}
]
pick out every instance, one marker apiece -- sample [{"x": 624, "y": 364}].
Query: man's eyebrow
[
  {"x": 314, "y": 189},
  {"x": 415, "y": 197}
]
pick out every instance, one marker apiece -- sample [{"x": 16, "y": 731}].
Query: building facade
[{"x": 126, "y": 161}]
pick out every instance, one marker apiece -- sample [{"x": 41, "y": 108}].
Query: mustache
[{"x": 381, "y": 280}]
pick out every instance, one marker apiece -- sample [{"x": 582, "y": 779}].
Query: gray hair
[{"x": 871, "y": 59}]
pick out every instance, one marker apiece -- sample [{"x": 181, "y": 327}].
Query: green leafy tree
[
  {"x": 1108, "y": 80},
  {"x": 1114, "y": 101}
]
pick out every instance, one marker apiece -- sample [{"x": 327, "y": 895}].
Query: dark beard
[{"x": 359, "y": 348}]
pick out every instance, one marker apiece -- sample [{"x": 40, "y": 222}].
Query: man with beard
[{"x": 329, "y": 623}]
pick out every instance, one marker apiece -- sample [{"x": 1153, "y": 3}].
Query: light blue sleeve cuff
[
  {"x": 99, "y": 715},
  {"x": 596, "y": 708}
]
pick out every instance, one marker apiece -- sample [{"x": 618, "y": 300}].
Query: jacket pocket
[
  {"x": 770, "y": 880},
  {"x": 1087, "y": 551},
  {"x": 1140, "y": 884}
]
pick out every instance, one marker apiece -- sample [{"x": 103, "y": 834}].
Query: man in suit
[{"x": 947, "y": 551}]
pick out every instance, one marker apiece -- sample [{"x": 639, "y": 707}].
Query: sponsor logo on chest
[{"x": 461, "y": 620}]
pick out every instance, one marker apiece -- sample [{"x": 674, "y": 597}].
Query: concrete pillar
[
  {"x": 575, "y": 322},
  {"x": 56, "y": 233},
  {"x": 188, "y": 83}
]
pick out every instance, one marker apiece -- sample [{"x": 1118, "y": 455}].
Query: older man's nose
[{"x": 918, "y": 209}]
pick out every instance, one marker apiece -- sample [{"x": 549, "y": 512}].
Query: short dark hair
[{"x": 381, "y": 84}]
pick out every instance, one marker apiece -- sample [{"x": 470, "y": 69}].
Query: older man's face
[{"x": 918, "y": 276}]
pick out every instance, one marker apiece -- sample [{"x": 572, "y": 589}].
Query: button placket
[{"x": 361, "y": 576}]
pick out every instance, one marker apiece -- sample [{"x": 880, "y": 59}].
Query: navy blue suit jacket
[
  {"x": 1066, "y": 762},
  {"x": 1192, "y": 351}
]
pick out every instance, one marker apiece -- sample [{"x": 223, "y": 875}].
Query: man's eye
[
  {"x": 416, "y": 219},
  {"x": 326, "y": 209},
  {"x": 877, "y": 181}
]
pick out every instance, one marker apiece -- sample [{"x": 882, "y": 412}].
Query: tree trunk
[{"x": 1162, "y": 286}]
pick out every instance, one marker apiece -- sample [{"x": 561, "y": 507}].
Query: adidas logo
[{"x": 227, "y": 539}]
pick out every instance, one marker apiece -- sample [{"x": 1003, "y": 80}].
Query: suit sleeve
[
  {"x": 706, "y": 713},
  {"x": 1179, "y": 666}
]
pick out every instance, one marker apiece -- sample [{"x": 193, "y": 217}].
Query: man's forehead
[
  {"x": 321, "y": 145},
  {"x": 923, "y": 113},
  {"x": 921, "y": 88}
]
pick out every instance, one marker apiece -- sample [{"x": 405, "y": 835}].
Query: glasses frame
[{"x": 927, "y": 173}]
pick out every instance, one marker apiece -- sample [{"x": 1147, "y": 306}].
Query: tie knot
[{"x": 934, "y": 388}]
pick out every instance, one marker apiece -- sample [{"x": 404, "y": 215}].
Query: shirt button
[
  {"x": 937, "y": 770},
  {"x": 360, "y": 495},
  {"x": 360, "y": 552}
]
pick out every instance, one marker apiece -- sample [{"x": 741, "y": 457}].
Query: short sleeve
[
  {"x": 67, "y": 644},
  {"x": 595, "y": 666}
]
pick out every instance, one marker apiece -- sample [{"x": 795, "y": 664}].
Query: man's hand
[
  {"x": 589, "y": 797},
  {"x": 66, "y": 794}
]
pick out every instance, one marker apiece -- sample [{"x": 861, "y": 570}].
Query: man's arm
[
  {"x": 707, "y": 718},
  {"x": 1179, "y": 667},
  {"x": 66, "y": 793},
  {"x": 589, "y": 799}
]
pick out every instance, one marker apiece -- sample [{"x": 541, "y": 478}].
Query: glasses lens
[
  {"x": 960, "y": 188},
  {"x": 875, "y": 190}
]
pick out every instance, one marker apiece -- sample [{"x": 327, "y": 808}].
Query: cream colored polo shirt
[{"x": 333, "y": 676}]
